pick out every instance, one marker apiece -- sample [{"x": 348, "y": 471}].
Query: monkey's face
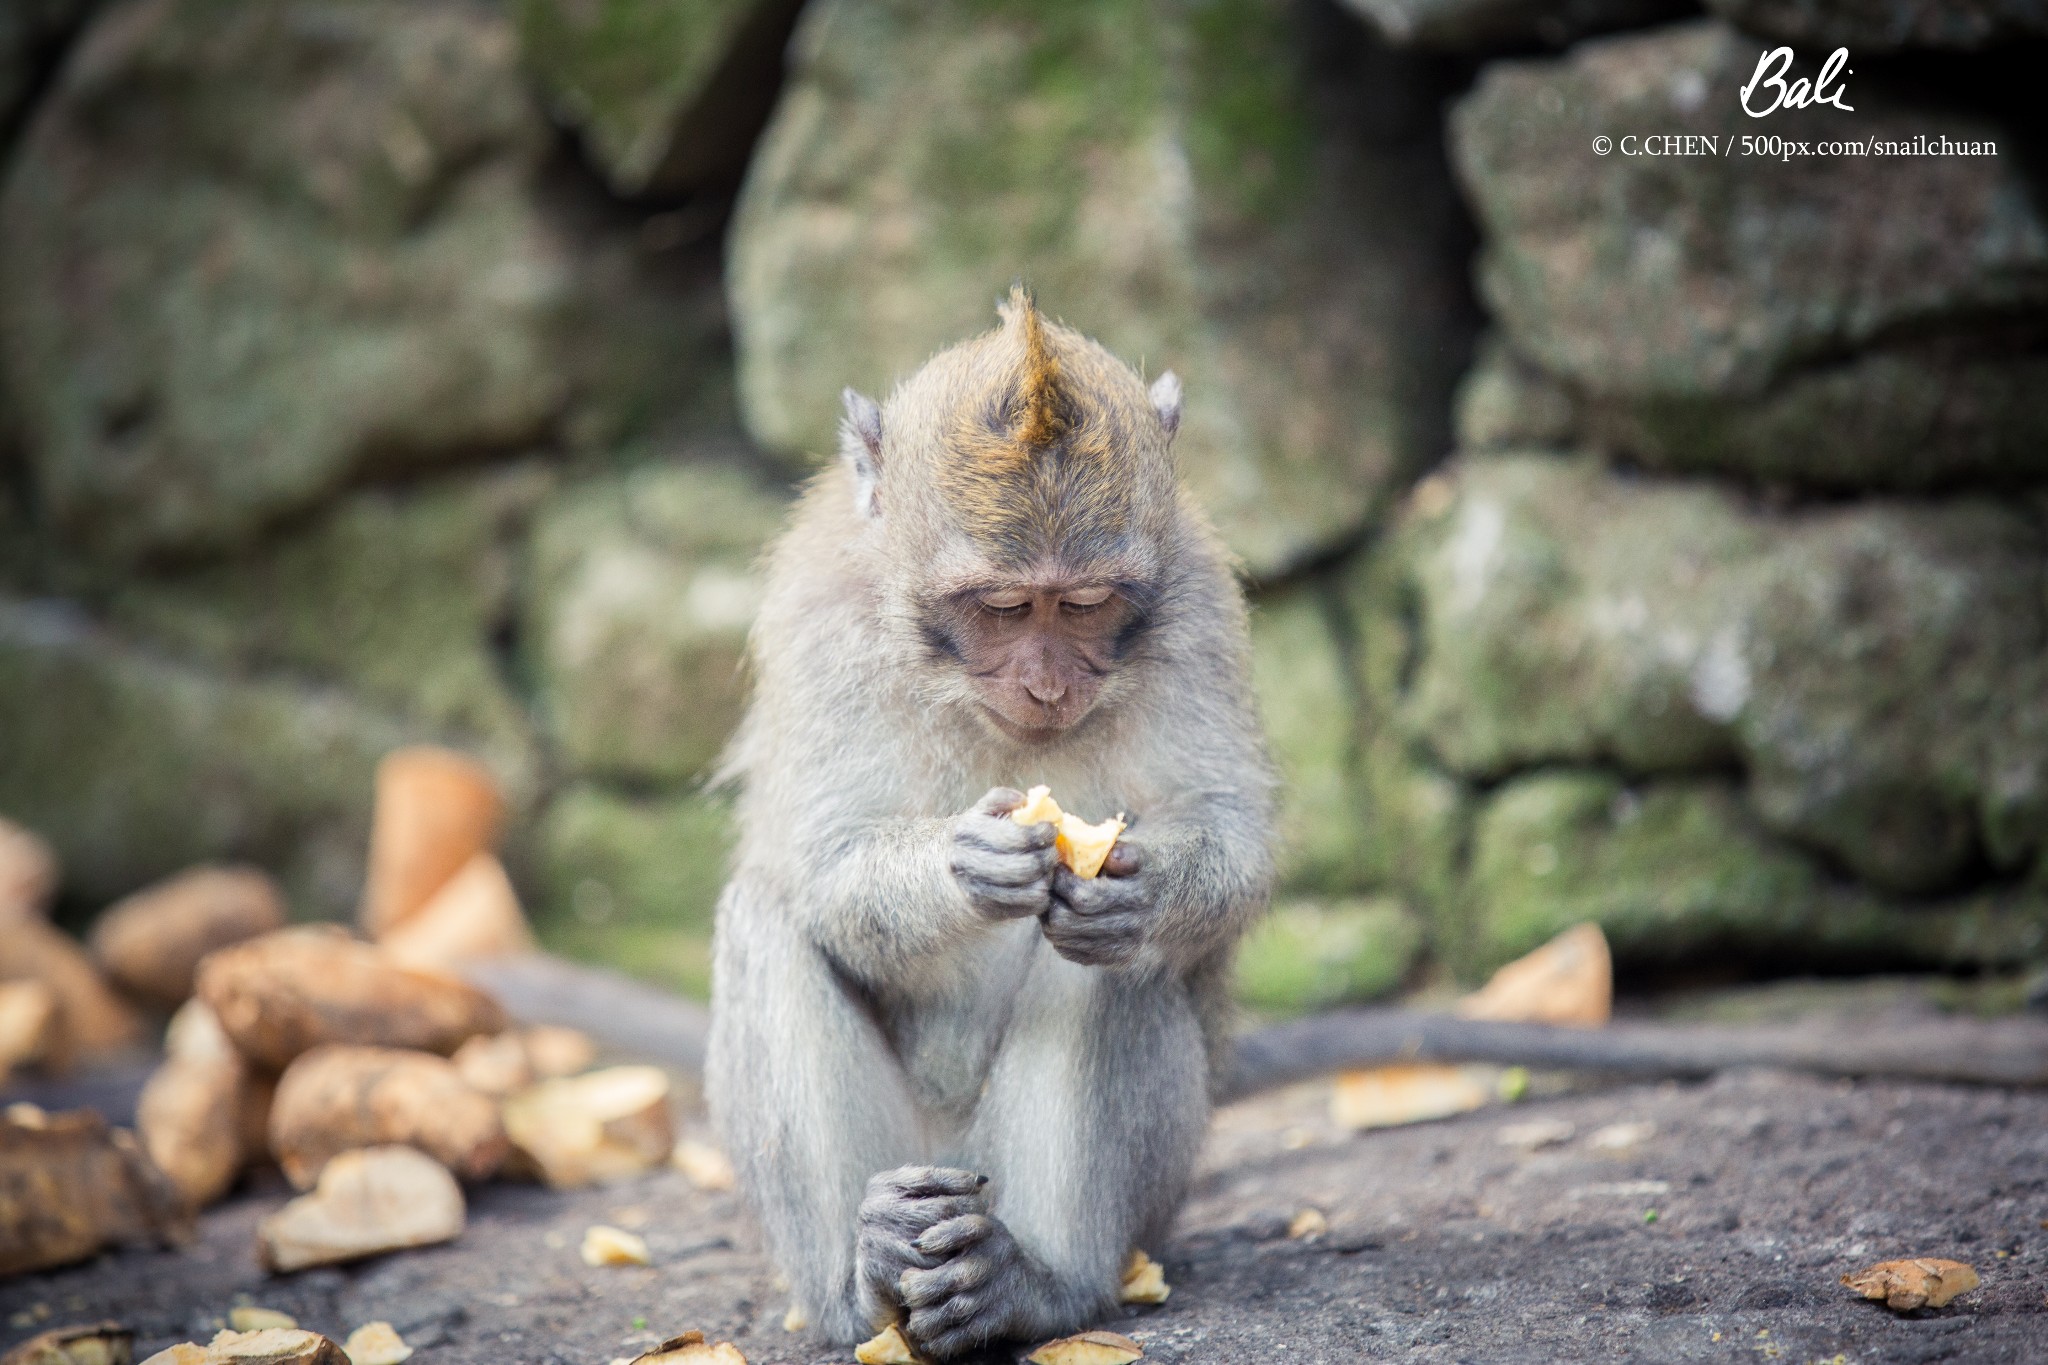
[{"x": 1038, "y": 650}]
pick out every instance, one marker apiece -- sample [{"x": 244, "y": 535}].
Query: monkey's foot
[
  {"x": 900, "y": 1209},
  {"x": 979, "y": 1289}
]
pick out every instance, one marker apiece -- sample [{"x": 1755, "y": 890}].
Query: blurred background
[{"x": 1656, "y": 541}]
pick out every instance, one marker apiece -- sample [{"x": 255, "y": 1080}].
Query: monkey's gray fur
[{"x": 960, "y": 1086}]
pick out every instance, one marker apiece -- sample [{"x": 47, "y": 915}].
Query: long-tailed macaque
[{"x": 960, "y": 1083}]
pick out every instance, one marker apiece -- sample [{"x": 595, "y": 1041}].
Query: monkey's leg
[
  {"x": 810, "y": 1099},
  {"x": 1094, "y": 1111}
]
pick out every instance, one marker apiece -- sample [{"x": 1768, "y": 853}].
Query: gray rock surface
[
  {"x": 643, "y": 586},
  {"x": 1479, "y": 25},
  {"x": 251, "y": 253},
  {"x": 1875, "y": 669},
  {"x": 1848, "y": 321},
  {"x": 1191, "y": 187},
  {"x": 134, "y": 767},
  {"x": 1888, "y": 25},
  {"x": 666, "y": 97}
]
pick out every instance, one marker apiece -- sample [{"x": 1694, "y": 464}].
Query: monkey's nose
[{"x": 1046, "y": 689}]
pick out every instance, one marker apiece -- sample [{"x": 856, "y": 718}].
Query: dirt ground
[{"x": 1701, "y": 1222}]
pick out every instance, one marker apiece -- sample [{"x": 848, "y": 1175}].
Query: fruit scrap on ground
[
  {"x": 1081, "y": 846},
  {"x": 583, "y": 1130},
  {"x": 887, "y": 1347},
  {"x": 376, "y": 1343},
  {"x": 1903, "y": 1286},
  {"x": 691, "y": 1349},
  {"x": 1144, "y": 1281},
  {"x": 1089, "y": 1348},
  {"x": 605, "y": 1245},
  {"x": 369, "y": 1201},
  {"x": 102, "y": 1343},
  {"x": 271, "y": 1346}
]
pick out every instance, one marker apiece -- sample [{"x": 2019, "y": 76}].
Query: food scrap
[
  {"x": 1081, "y": 846},
  {"x": 1902, "y": 1286}
]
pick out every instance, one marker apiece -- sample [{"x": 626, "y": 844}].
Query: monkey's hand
[
  {"x": 901, "y": 1207},
  {"x": 1101, "y": 921},
  {"x": 1004, "y": 867}
]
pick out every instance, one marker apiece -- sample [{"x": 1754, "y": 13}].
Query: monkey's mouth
[{"x": 1025, "y": 733}]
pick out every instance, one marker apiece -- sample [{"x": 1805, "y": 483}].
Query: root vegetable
[
  {"x": 151, "y": 943},
  {"x": 28, "y": 873},
  {"x": 189, "y": 1118},
  {"x": 1569, "y": 980},
  {"x": 104, "y": 1343},
  {"x": 70, "y": 1185},
  {"x": 476, "y": 914},
  {"x": 1903, "y": 1286},
  {"x": 1089, "y": 1348},
  {"x": 435, "y": 810},
  {"x": 1144, "y": 1281},
  {"x": 90, "y": 1017},
  {"x": 602, "y": 1126},
  {"x": 510, "y": 1061},
  {"x": 604, "y": 1245},
  {"x": 691, "y": 1349},
  {"x": 288, "y": 992},
  {"x": 28, "y": 1023},
  {"x": 376, "y": 1343},
  {"x": 887, "y": 1347},
  {"x": 339, "y": 1097},
  {"x": 369, "y": 1201},
  {"x": 270, "y": 1346},
  {"x": 1081, "y": 846}
]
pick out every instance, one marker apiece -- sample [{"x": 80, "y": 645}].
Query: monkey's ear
[
  {"x": 860, "y": 445},
  {"x": 1166, "y": 402}
]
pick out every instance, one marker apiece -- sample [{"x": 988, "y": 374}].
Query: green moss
[
  {"x": 1249, "y": 134},
  {"x": 1309, "y": 707},
  {"x": 1310, "y": 955},
  {"x": 633, "y": 883}
]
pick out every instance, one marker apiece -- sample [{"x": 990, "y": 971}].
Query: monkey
[{"x": 960, "y": 1084}]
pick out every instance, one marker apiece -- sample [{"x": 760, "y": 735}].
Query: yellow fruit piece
[
  {"x": 1144, "y": 1281},
  {"x": 1308, "y": 1223},
  {"x": 889, "y": 1347},
  {"x": 376, "y": 1343},
  {"x": 1081, "y": 846},
  {"x": 603, "y": 1245},
  {"x": 691, "y": 1349},
  {"x": 1089, "y": 1348},
  {"x": 247, "y": 1319},
  {"x": 1385, "y": 1096},
  {"x": 1568, "y": 981},
  {"x": 1926, "y": 1282}
]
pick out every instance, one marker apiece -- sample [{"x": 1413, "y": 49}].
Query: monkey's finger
[
  {"x": 1005, "y": 835},
  {"x": 1124, "y": 860},
  {"x": 908, "y": 1216},
  {"x": 1005, "y": 869},
  {"x": 923, "y": 1288},
  {"x": 1004, "y": 902},
  {"x": 955, "y": 1235},
  {"x": 999, "y": 801},
  {"x": 948, "y": 1328},
  {"x": 919, "y": 1181},
  {"x": 1098, "y": 895}
]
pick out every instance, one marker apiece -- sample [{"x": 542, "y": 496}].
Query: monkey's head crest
[{"x": 1031, "y": 439}]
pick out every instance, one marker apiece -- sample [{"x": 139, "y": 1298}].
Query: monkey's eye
[
  {"x": 1084, "y": 600},
  {"x": 1006, "y": 603}
]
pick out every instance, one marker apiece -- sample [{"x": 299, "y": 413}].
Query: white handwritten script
[{"x": 1775, "y": 65}]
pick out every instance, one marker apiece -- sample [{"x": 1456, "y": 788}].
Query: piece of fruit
[
  {"x": 249, "y": 1318},
  {"x": 338, "y": 1097},
  {"x": 1144, "y": 1281},
  {"x": 102, "y": 1343},
  {"x": 1081, "y": 846},
  {"x": 376, "y": 1343},
  {"x": 70, "y": 1185},
  {"x": 512, "y": 1060},
  {"x": 151, "y": 943},
  {"x": 270, "y": 1346},
  {"x": 691, "y": 1349},
  {"x": 1089, "y": 1348},
  {"x": 1385, "y": 1096},
  {"x": 1308, "y": 1223},
  {"x": 582, "y": 1130},
  {"x": 190, "y": 1118},
  {"x": 887, "y": 1347},
  {"x": 703, "y": 1165},
  {"x": 288, "y": 992},
  {"x": 90, "y": 1017},
  {"x": 1903, "y": 1286},
  {"x": 606, "y": 1245},
  {"x": 475, "y": 914},
  {"x": 435, "y": 810},
  {"x": 1569, "y": 980},
  {"x": 369, "y": 1201}
]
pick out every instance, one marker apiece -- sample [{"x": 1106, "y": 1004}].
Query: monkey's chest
[{"x": 948, "y": 1026}]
